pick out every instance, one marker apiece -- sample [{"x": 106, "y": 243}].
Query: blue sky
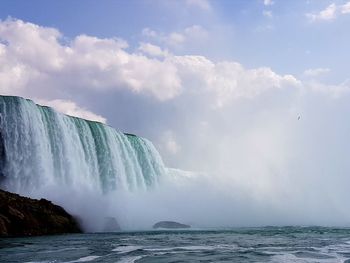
[{"x": 284, "y": 38}]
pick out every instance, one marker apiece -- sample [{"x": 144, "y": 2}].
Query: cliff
[{"x": 22, "y": 216}]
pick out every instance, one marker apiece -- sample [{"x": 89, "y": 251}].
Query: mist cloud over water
[
  {"x": 282, "y": 159},
  {"x": 262, "y": 148}
]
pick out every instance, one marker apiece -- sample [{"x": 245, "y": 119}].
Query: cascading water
[{"x": 41, "y": 148}]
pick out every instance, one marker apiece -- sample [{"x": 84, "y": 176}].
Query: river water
[{"x": 268, "y": 244}]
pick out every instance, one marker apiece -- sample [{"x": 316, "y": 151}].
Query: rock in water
[
  {"x": 22, "y": 216},
  {"x": 111, "y": 225},
  {"x": 170, "y": 225}
]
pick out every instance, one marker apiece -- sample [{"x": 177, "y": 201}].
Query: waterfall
[{"x": 40, "y": 147}]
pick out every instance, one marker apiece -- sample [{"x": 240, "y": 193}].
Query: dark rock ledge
[{"x": 22, "y": 216}]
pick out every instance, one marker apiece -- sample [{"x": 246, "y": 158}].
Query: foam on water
[
  {"x": 126, "y": 249},
  {"x": 85, "y": 259},
  {"x": 130, "y": 259}
]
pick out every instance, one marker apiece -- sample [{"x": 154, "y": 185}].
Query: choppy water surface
[{"x": 269, "y": 244}]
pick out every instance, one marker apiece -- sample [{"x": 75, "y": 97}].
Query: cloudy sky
[{"x": 216, "y": 85}]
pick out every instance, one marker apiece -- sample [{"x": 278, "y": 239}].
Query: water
[
  {"x": 269, "y": 244},
  {"x": 40, "y": 147}
]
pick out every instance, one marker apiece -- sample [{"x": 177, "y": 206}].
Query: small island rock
[
  {"x": 170, "y": 225},
  {"x": 111, "y": 225}
]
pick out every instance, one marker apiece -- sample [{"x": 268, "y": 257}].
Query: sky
[
  {"x": 180, "y": 72},
  {"x": 252, "y": 93}
]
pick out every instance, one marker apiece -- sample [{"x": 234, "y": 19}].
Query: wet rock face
[
  {"x": 22, "y": 216},
  {"x": 170, "y": 225}
]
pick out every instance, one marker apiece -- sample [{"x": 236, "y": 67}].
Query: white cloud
[
  {"x": 330, "y": 13},
  {"x": 172, "y": 39},
  {"x": 196, "y": 32},
  {"x": 267, "y": 13},
  {"x": 34, "y": 59},
  {"x": 177, "y": 39},
  {"x": 227, "y": 81},
  {"x": 34, "y": 63},
  {"x": 315, "y": 72},
  {"x": 152, "y": 50},
  {"x": 268, "y": 2},
  {"x": 335, "y": 91},
  {"x": 71, "y": 109},
  {"x": 202, "y": 4},
  {"x": 345, "y": 9},
  {"x": 149, "y": 33}
]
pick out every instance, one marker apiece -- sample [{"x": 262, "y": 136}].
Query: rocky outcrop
[
  {"x": 111, "y": 225},
  {"x": 170, "y": 225},
  {"x": 22, "y": 216}
]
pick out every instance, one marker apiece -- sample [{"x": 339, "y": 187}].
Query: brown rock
[{"x": 22, "y": 216}]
